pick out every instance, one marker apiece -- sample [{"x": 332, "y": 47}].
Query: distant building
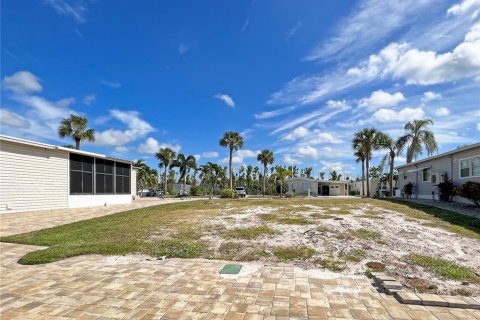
[
  {"x": 39, "y": 176},
  {"x": 315, "y": 187},
  {"x": 462, "y": 165}
]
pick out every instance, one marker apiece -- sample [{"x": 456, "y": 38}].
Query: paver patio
[{"x": 132, "y": 287}]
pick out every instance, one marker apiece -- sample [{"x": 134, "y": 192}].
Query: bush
[
  {"x": 471, "y": 191},
  {"x": 289, "y": 194},
  {"x": 227, "y": 193},
  {"x": 196, "y": 191},
  {"x": 408, "y": 189},
  {"x": 446, "y": 189}
]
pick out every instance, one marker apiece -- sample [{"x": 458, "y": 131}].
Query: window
[
  {"x": 426, "y": 175},
  {"x": 122, "y": 178},
  {"x": 81, "y": 174},
  {"x": 470, "y": 167},
  {"x": 103, "y": 176}
]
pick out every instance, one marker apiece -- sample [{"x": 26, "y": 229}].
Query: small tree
[
  {"x": 471, "y": 191},
  {"x": 446, "y": 189},
  {"x": 408, "y": 189}
]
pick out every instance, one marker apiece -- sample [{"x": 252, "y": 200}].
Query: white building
[
  {"x": 315, "y": 187},
  {"x": 39, "y": 176}
]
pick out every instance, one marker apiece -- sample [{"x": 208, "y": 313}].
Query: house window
[
  {"x": 405, "y": 177},
  {"x": 470, "y": 167},
  {"x": 103, "y": 176},
  {"x": 426, "y": 175},
  {"x": 81, "y": 174},
  {"x": 122, "y": 178}
]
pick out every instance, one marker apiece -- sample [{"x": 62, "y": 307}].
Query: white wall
[
  {"x": 83, "y": 200},
  {"x": 32, "y": 178}
]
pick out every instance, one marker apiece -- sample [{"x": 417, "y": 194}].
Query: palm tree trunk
[
  {"x": 392, "y": 159},
  {"x": 164, "y": 180},
  {"x": 230, "y": 165},
  {"x": 368, "y": 182},
  {"x": 264, "y": 178},
  {"x": 281, "y": 188},
  {"x": 184, "y": 182},
  {"x": 77, "y": 144},
  {"x": 363, "y": 178}
]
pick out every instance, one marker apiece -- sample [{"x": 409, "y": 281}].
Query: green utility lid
[{"x": 231, "y": 269}]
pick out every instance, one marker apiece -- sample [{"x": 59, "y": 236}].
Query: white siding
[
  {"x": 32, "y": 178},
  {"x": 86, "y": 200}
]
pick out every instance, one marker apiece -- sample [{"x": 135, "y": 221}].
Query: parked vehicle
[{"x": 241, "y": 192}]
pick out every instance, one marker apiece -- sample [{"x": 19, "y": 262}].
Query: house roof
[
  {"x": 317, "y": 180},
  {"x": 441, "y": 155},
  {"x": 55, "y": 147}
]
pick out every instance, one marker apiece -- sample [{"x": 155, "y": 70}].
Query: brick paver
[{"x": 132, "y": 287}]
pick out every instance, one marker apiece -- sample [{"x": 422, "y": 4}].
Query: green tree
[
  {"x": 76, "y": 128},
  {"x": 418, "y": 136},
  {"x": 321, "y": 175},
  {"x": 375, "y": 172},
  {"x": 281, "y": 174},
  {"x": 334, "y": 176},
  {"x": 233, "y": 141},
  {"x": 265, "y": 157},
  {"x": 395, "y": 148},
  {"x": 366, "y": 140},
  {"x": 360, "y": 157},
  {"x": 184, "y": 165},
  {"x": 210, "y": 175},
  {"x": 308, "y": 172},
  {"x": 165, "y": 157}
]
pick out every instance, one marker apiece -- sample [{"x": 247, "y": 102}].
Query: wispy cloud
[
  {"x": 89, "y": 99},
  {"x": 183, "y": 48},
  {"x": 228, "y": 100},
  {"x": 293, "y": 31},
  {"x": 112, "y": 84},
  {"x": 75, "y": 9}
]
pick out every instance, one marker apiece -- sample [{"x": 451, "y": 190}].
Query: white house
[
  {"x": 315, "y": 187},
  {"x": 461, "y": 165},
  {"x": 39, "y": 176}
]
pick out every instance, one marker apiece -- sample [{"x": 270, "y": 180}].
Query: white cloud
[
  {"x": 380, "y": 98},
  {"x": 69, "y": 8},
  {"x": 307, "y": 151},
  {"x": 430, "y": 95},
  {"x": 404, "y": 115},
  {"x": 210, "y": 154},
  {"x": 152, "y": 146},
  {"x": 240, "y": 155},
  {"x": 112, "y": 84},
  {"x": 137, "y": 128},
  {"x": 45, "y": 109},
  {"x": 11, "y": 119},
  {"x": 331, "y": 166},
  {"x": 226, "y": 99},
  {"x": 297, "y": 133},
  {"x": 89, "y": 99},
  {"x": 121, "y": 149},
  {"x": 441, "y": 112},
  {"x": 355, "y": 33},
  {"x": 274, "y": 113},
  {"x": 290, "y": 160},
  {"x": 293, "y": 31},
  {"x": 478, "y": 126},
  {"x": 197, "y": 157},
  {"x": 22, "y": 82},
  {"x": 338, "y": 104},
  {"x": 319, "y": 137},
  {"x": 465, "y": 7}
]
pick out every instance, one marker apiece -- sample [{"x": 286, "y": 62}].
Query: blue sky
[{"x": 298, "y": 77}]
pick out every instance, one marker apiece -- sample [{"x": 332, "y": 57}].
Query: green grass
[
  {"x": 365, "y": 234},
  {"x": 293, "y": 220},
  {"x": 321, "y": 216},
  {"x": 331, "y": 264},
  {"x": 255, "y": 255},
  {"x": 228, "y": 250},
  {"x": 444, "y": 268},
  {"x": 293, "y": 253},
  {"x": 355, "y": 255},
  {"x": 249, "y": 233}
]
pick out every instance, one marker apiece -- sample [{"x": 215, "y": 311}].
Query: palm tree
[
  {"x": 234, "y": 141},
  {"x": 281, "y": 174},
  {"x": 265, "y": 157},
  {"x": 360, "y": 157},
  {"x": 366, "y": 141},
  {"x": 166, "y": 157},
  {"x": 76, "y": 128},
  {"x": 395, "y": 148},
  {"x": 418, "y": 136},
  {"x": 184, "y": 165},
  {"x": 210, "y": 173}
]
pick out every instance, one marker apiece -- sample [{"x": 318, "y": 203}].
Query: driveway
[{"x": 139, "y": 287}]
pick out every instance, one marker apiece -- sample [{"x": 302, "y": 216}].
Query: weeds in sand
[{"x": 293, "y": 253}]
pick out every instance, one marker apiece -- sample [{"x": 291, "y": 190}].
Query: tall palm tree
[
  {"x": 360, "y": 157},
  {"x": 281, "y": 174},
  {"x": 184, "y": 164},
  {"x": 166, "y": 157},
  {"x": 234, "y": 141},
  {"x": 366, "y": 140},
  {"x": 395, "y": 148},
  {"x": 417, "y": 136},
  {"x": 76, "y": 128},
  {"x": 265, "y": 157}
]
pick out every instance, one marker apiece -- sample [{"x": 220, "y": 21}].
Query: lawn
[{"x": 341, "y": 235}]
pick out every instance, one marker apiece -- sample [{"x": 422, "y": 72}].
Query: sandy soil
[{"x": 332, "y": 239}]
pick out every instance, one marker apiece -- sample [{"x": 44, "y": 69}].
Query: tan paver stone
[
  {"x": 432, "y": 300},
  {"x": 408, "y": 298}
]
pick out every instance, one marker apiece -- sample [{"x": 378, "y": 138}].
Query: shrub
[
  {"x": 446, "y": 189},
  {"x": 227, "y": 193},
  {"x": 289, "y": 194},
  {"x": 196, "y": 191},
  {"x": 408, "y": 189},
  {"x": 471, "y": 191}
]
